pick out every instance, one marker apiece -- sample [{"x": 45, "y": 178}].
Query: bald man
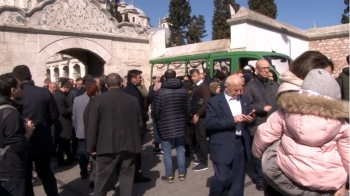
[
  {"x": 227, "y": 117},
  {"x": 52, "y": 87},
  {"x": 262, "y": 94}
]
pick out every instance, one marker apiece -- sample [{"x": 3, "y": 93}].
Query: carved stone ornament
[{"x": 70, "y": 15}]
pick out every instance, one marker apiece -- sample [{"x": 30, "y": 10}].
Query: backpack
[{"x": 3, "y": 150}]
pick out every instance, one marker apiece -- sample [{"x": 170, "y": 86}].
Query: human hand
[
  {"x": 195, "y": 119},
  {"x": 267, "y": 108},
  {"x": 340, "y": 192},
  {"x": 239, "y": 118},
  {"x": 93, "y": 153},
  {"x": 249, "y": 118},
  {"x": 29, "y": 127}
]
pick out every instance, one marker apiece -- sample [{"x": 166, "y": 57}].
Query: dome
[
  {"x": 141, "y": 13},
  {"x": 130, "y": 7},
  {"x": 122, "y": 3}
]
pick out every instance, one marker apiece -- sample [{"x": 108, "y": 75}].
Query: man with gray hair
[
  {"x": 227, "y": 117},
  {"x": 262, "y": 94},
  {"x": 114, "y": 134}
]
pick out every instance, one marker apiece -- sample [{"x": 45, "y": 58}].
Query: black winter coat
[
  {"x": 63, "y": 126},
  {"x": 132, "y": 90},
  {"x": 172, "y": 109},
  {"x": 39, "y": 106}
]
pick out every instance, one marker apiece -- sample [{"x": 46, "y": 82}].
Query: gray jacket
[
  {"x": 78, "y": 111},
  {"x": 256, "y": 90}
]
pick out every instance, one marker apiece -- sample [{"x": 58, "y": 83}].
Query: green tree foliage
[
  {"x": 196, "y": 30},
  {"x": 265, "y": 7},
  {"x": 220, "y": 28},
  {"x": 345, "y": 15},
  {"x": 179, "y": 20},
  {"x": 126, "y": 17},
  {"x": 113, "y": 10}
]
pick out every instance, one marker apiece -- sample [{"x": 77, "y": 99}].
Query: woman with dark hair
[
  {"x": 291, "y": 82},
  {"x": 272, "y": 75},
  {"x": 91, "y": 91}
]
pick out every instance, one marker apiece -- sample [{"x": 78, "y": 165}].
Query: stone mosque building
[{"x": 64, "y": 65}]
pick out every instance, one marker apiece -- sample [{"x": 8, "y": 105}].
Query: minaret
[{"x": 314, "y": 25}]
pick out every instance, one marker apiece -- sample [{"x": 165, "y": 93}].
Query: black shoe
[
  {"x": 83, "y": 176},
  {"x": 156, "y": 150},
  {"x": 196, "y": 161},
  {"x": 63, "y": 163},
  {"x": 72, "y": 159},
  {"x": 111, "y": 188},
  {"x": 36, "y": 182},
  {"x": 168, "y": 179},
  {"x": 259, "y": 186},
  {"x": 141, "y": 179},
  {"x": 91, "y": 184},
  {"x": 200, "y": 167}
]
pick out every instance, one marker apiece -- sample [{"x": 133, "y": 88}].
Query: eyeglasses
[{"x": 264, "y": 68}]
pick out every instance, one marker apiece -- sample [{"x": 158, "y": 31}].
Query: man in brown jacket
[{"x": 200, "y": 96}]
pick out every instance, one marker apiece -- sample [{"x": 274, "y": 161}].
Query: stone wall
[{"x": 335, "y": 48}]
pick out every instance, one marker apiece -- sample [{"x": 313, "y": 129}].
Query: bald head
[
  {"x": 263, "y": 68},
  {"x": 234, "y": 85},
  {"x": 234, "y": 80},
  {"x": 114, "y": 80}
]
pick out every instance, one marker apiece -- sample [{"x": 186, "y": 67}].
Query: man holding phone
[
  {"x": 227, "y": 117},
  {"x": 262, "y": 94}
]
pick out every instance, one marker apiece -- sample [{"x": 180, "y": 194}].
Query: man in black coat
[
  {"x": 40, "y": 107},
  {"x": 134, "y": 80},
  {"x": 207, "y": 79},
  {"x": 172, "y": 109},
  {"x": 114, "y": 134},
  {"x": 262, "y": 94},
  {"x": 63, "y": 126}
]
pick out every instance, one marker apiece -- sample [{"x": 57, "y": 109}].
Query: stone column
[
  {"x": 52, "y": 75},
  {"x": 71, "y": 70},
  {"x": 82, "y": 69}
]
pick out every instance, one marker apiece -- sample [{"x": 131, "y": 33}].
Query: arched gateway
[{"x": 77, "y": 28}]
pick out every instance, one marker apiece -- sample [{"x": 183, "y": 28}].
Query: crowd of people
[{"x": 295, "y": 131}]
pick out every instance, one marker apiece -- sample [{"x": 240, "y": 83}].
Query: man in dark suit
[
  {"x": 63, "y": 126},
  {"x": 39, "y": 106},
  {"x": 114, "y": 134},
  {"x": 135, "y": 80},
  {"x": 227, "y": 116}
]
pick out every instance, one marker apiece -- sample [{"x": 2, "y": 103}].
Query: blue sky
[{"x": 299, "y": 13}]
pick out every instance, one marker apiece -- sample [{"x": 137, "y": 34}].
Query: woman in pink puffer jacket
[{"x": 314, "y": 148}]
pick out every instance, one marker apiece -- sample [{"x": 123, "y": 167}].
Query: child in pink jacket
[{"x": 314, "y": 147}]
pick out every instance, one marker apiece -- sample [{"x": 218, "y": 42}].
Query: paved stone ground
[{"x": 196, "y": 184}]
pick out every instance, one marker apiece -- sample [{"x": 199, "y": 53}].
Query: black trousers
[
  {"x": 190, "y": 139},
  {"x": 42, "y": 164},
  {"x": 63, "y": 147},
  {"x": 75, "y": 143},
  {"x": 201, "y": 137},
  {"x": 123, "y": 164},
  {"x": 138, "y": 162},
  {"x": 258, "y": 175}
]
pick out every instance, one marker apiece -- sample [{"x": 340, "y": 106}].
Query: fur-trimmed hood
[{"x": 314, "y": 105}]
